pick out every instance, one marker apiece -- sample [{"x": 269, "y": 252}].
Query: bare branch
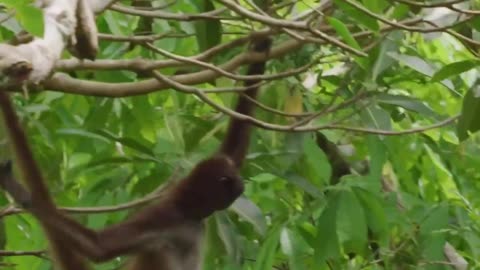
[
  {"x": 9, "y": 253},
  {"x": 430, "y": 5},
  {"x": 229, "y": 74},
  {"x": 211, "y": 15}
]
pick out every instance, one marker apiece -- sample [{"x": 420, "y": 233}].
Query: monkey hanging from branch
[{"x": 165, "y": 236}]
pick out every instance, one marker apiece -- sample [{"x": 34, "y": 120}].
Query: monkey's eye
[
  {"x": 228, "y": 184},
  {"x": 225, "y": 179},
  {"x": 231, "y": 187}
]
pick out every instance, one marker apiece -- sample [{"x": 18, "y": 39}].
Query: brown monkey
[{"x": 164, "y": 236}]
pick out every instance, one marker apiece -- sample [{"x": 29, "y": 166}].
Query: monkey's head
[{"x": 214, "y": 184}]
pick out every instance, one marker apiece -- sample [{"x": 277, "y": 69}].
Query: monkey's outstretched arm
[
  {"x": 99, "y": 246},
  {"x": 129, "y": 237},
  {"x": 237, "y": 139}
]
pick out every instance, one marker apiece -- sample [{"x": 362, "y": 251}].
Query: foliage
[{"x": 412, "y": 189}]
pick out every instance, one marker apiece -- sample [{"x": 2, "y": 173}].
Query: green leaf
[
  {"x": 377, "y": 6},
  {"x": 251, "y": 213},
  {"x": 443, "y": 176},
  {"x": 374, "y": 212},
  {"x": 114, "y": 24},
  {"x": 20, "y": 234},
  {"x": 415, "y": 63},
  {"x": 17, "y": 3},
  {"x": 290, "y": 246},
  {"x": 475, "y": 23},
  {"x": 99, "y": 114},
  {"x": 263, "y": 178},
  {"x": 420, "y": 65},
  {"x": 351, "y": 225},
  {"x": 99, "y": 221},
  {"x": 357, "y": 15},
  {"x": 377, "y": 118},
  {"x": 82, "y": 133},
  {"x": 208, "y": 32},
  {"x": 36, "y": 108},
  {"x": 304, "y": 184},
  {"x": 12, "y": 3},
  {"x": 433, "y": 235},
  {"x": 261, "y": 3},
  {"x": 267, "y": 252},
  {"x": 468, "y": 121},
  {"x": 327, "y": 245},
  {"x": 378, "y": 157},
  {"x": 317, "y": 162},
  {"x": 129, "y": 142},
  {"x": 454, "y": 69},
  {"x": 226, "y": 232},
  {"x": 31, "y": 18},
  {"x": 408, "y": 103},
  {"x": 342, "y": 31},
  {"x": 201, "y": 128},
  {"x": 152, "y": 179},
  {"x": 383, "y": 61}
]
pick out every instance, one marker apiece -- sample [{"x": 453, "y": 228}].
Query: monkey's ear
[{"x": 6, "y": 168}]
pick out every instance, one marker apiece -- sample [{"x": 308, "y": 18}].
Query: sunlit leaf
[
  {"x": 454, "y": 69},
  {"x": 31, "y": 19},
  {"x": 443, "y": 175}
]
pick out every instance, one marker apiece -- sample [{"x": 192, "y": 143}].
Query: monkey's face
[{"x": 216, "y": 183}]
